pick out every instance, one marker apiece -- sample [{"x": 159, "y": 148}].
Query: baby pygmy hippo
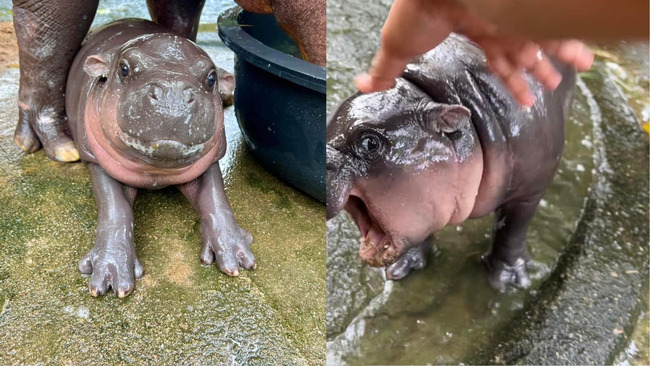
[
  {"x": 145, "y": 110},
  {"x": 447, "y": 143}
]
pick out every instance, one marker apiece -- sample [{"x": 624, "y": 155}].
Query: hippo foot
[
  {"x": 501, "y": 274},
  {"x": 111, "y": 268},
  {"x": 46, "y": 128},
  {"x": 415, "y": 258},
  {"x": 229, "y": 248}
]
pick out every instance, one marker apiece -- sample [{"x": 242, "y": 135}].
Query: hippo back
[{"x": 513, "y": 138}]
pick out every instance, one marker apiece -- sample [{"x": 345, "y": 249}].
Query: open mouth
[{"x": 376, "y": 247}]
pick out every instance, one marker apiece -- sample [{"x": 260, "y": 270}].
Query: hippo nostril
[
  {"x": 155, "y": 92},
  {"x": 188, "y": 95}
]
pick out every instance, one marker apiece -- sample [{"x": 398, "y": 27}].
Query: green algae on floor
[{"x": 181, "y": 312}]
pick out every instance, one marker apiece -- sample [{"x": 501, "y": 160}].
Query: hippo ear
[
  {"x": 97, "y": 66},
  {"x": 453, "y": 117},
  {"x": 445, "y": 118},
  {"x": 226, "y": 86}
]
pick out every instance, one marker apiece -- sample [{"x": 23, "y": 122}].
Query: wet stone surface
[
  {"x": 447, "y": 313},
  {"x": 181, "y": 312}
]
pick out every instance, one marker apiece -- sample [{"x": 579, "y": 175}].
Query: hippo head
[
  {"x": 158, "y": 99},
  {"x": 403, "y": 166}
]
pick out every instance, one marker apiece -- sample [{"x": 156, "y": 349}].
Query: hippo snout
[
  {"x": 158, "y": 93},
  {"x": 162, "y": 110}
]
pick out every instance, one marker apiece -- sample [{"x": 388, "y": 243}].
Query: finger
[
  {"x": 544, "y": 71},
  {"x": 513, "y": 79},
  {"x": 518, "y": 86},
  {"x": 524, "y": 56},
  {"x": 382, "y": 73},
  {"x": 367, "y": 83},
  {"x": 571, "y": 52},
  {"x": 531, "y": 58}
]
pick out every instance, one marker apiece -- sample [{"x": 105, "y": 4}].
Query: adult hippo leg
[
  {"x": 415, "y": 258},
  {"x": 223, "y": 240},
  {"x": 112, "y": 262},
  {"x": 303, "y": 20},
  {"x": 182, "y": 17},
  {"x": 507, "y": 258},
  {"x": 49, "y": 34}
]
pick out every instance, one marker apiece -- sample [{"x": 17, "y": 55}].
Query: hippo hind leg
[
  {"x": 414, "y": 259},
  {"x": 507, "y": 259}
]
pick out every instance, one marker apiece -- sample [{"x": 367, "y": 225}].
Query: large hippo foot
[
  {"x": 502, "y": 274},
  {"x": 112, "y": 266},
  {"x": 229, "y": 247},
  {"x": 43, "y": 126},
  {"x": 414, "y": 259}
]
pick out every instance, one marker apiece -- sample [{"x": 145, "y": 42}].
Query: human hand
[
  {"x": 413, "y": 27},
  {"x": 509, "y": 57}
]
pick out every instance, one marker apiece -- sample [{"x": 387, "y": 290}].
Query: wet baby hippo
[
  {"x": 447, "y": 143},
  {"x": 145, "y": 111}
]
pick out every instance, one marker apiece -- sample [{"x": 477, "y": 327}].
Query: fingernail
[{"x": 363, "y": 82}]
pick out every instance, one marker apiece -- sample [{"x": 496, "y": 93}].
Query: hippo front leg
[
  {"x": 414, "y": 259},
  {"x": 507, "y": 259},
  {"x": 223, "y": 240},
  {"x": 49, "y": 34},
  {"x": 112, "y": 262}
]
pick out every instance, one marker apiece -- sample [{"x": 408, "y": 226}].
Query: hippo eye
[
  {"x": 369, "y": 145},
  {"x": 124, "y": 70},
  {"x": 212, "y": 79}
]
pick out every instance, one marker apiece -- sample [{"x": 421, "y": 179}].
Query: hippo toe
[{"x": 414, "y": 259}]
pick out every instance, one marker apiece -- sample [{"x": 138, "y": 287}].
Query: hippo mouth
[
  {"x": 163, "y": 150},
  {"x": 377, "y": 249}
]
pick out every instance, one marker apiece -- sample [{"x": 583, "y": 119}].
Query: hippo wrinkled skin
[
  {"x": 51, "y": 32},
  {"x": 447, "y": 143},
  {"x": 145, "y": 111}
]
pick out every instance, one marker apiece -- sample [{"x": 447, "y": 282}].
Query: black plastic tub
[{"x": 279, "y": 100}]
